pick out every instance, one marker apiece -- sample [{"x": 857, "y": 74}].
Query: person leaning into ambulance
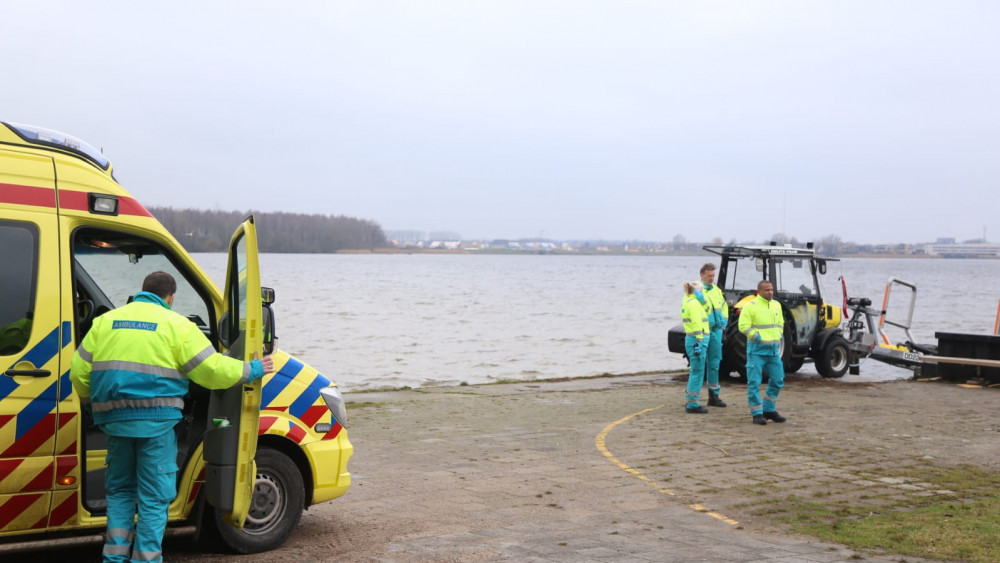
[
  {"x": 718, "y": 317},
  {"x": 131, "y": 371},
  {"x": 763, "y": 323},
  {"x": 695, "y": 329}
]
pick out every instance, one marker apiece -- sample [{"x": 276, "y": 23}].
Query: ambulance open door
[{"x": 231, "y": 440}]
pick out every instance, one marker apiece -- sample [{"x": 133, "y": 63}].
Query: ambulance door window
[
  {"x": 31, "y": 336},
  {"x": 17, "y": 278}
]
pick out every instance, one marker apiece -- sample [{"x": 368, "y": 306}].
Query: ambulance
[{"x": 74, "y": 245}]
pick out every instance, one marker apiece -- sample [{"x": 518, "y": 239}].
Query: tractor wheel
[
  {"x": 794, "y": 365},
  {"x": 734, "y": 353},
  {"x": 833, "y": 359},
  {"x": 790, "y": 363}
]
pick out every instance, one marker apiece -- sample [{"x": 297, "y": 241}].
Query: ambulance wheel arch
[{"x": 278, "y": 501}]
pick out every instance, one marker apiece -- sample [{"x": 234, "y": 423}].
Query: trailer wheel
[
  {"x": 833, "y": 360},
  {"x": 278, "y": 501}
]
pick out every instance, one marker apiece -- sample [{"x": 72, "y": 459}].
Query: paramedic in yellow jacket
[
  {"x": 763, "y": 323},
  {"x": 718, "y": 317},
  {"x": 131, "y": 371},
  {"x": 696, "y": 332}
]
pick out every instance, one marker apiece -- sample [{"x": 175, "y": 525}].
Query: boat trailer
[{"x": 955, "y": 356}]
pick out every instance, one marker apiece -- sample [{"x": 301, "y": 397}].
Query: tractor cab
[{"x": 811, "y": 328}]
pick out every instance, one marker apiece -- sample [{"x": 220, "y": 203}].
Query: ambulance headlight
[{"x": 335, "y": 402}]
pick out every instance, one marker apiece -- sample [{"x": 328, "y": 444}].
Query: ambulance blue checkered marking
[
  {"x": 36, "y": 410},
  {"x": 65, "y": 386},
  {"x": 279, "y": 381},
  {"x": 39, "y": 355},
  {"x": 308, "y": 397}
]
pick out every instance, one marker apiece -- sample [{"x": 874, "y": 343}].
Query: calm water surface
[{"x": 370, "y": 321}]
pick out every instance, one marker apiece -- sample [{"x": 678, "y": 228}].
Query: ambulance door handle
[{"x": 27, "y": 372}]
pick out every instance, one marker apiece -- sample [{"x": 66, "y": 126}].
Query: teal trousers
[{"x": 141, "y": 478}]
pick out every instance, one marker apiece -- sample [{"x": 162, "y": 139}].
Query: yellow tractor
[{"x": 812, "y": 328}]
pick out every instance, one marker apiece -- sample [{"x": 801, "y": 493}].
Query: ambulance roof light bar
[{"x": 43, "y": 136}]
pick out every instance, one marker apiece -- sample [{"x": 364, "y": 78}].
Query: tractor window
[
  {"x": 18, "y": 249},
  {"x": 742, "y": 274},
  {"x": 794, "y": 276}
]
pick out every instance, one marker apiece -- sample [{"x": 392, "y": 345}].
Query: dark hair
[
  {"x": 706, "y": 267},
  {"x": 160, "y": 283}
]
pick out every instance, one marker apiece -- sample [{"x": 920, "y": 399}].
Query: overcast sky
[{"x": 877, "y": 121}]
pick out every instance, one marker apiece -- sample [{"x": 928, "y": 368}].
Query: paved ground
[{"x": 612, "y": 469}]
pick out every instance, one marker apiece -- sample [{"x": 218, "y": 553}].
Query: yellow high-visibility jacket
[
  {"x": 762, "y": 322},
  {"x": 694, "y": 318},
  {"x": 136, "y": 360},
  {"x": 716, "y": 308}
]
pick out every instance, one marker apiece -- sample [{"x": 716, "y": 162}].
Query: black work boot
[
  {"x": 773, "y": 415},
  {"x": 696, "y": 410},
  {"x": 714, "y": 400},
  {"x": 759, "y": 419}
]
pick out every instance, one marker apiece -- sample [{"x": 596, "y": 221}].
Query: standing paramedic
[
  {"x": 132, "y": 371},
  {"x": 695, "y": 330},
  {"x": 762, "y": 323},
  {"x": 718, "y": 317}
]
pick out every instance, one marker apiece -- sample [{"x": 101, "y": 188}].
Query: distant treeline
[{"x": 210, "y": 231}]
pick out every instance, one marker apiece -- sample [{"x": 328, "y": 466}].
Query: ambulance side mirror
[{"x": 267, "y": 315}]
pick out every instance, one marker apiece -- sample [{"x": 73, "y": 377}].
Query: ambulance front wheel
[{"x": 278, "y": 501}]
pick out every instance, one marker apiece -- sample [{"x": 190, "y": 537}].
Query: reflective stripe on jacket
[
  {"x": 694, "y": 318},
  {"x": 136, "y": 360},
  {"x": 716, "y": 307},
  {"x": 764, "y": 318}
]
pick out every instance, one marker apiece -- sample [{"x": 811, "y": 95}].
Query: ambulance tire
[{"x": 276, "y": 508}]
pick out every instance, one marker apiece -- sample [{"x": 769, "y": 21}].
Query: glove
[
  {"x": 256, "y": 371},
  {"x": 697, "y": 350}
]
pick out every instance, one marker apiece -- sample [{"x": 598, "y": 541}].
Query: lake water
[{"x": 388, "y": 320}]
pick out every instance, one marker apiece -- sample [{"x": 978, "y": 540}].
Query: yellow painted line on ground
[
  {"x": 601, "y": 442},
  {"x": 714, "y": 514},
  {"x": 601, "y": 447}
]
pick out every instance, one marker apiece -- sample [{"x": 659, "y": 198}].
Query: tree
[
  {"x": 830, "y": 245},
  {"x": 782, "y": 239},
  {"x": 209, "y": 231}
]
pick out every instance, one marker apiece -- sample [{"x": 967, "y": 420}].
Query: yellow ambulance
[{"x": 73, "y": 245}]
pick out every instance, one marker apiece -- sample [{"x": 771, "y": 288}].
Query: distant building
[{"x": 953, "y": 249}]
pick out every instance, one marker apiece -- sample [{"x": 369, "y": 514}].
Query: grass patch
[
  {"x": 965, "y": 532},
  {"x": 961, "y": 524},
  {"x": 366, "y": 404},
  {"x": 380, "y": 390}
]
